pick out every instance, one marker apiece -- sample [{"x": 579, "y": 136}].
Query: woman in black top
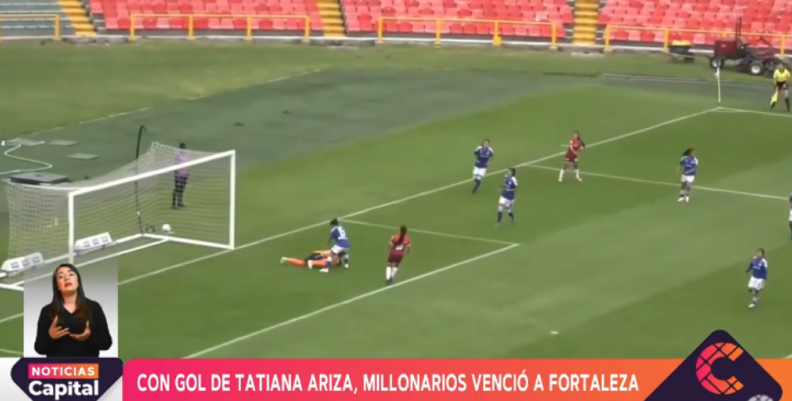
[{"x": 71, "y": 325}]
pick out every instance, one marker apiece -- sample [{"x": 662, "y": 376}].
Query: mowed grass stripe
[
  {"x": 529, "y": 163},
  {"x": 349, "y": 301},
  {"x": 383, "y": 205}
]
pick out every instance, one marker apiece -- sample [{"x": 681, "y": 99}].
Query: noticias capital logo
[
  {"x": 66, "y": 379},
  {"x": 58, "y": 380}
]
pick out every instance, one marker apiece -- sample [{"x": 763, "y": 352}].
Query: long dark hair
[
  {"x": 402, "y": 234},
  {"x": 83, "y": 311},
  {"x": 688, "y": 151}
]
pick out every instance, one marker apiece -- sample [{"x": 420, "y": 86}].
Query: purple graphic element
[{"x": 719, "y": 369}]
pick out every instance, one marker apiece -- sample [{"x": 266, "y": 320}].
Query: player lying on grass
[
  {"x": 399, "y": 246},
  {"x": 571, "y": 158},
  {"x": 315, "y": 259},
  {"x": 687, "y": 166},
  {"x": 758, "y": 269}
]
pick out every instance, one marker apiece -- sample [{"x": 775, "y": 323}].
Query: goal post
[{"x": 131, "y": 208}]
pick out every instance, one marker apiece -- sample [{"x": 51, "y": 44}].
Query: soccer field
[{"x": 611, "y": 267}]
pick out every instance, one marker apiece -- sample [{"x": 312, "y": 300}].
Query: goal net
[{"x": 139, "y": 205}]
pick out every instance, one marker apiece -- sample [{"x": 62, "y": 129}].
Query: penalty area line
[
  {"x": 382, "y": 205},
  {"x": 428, "y": 232},
  {"x": 347, "y": 302},
  {"x": 668, "y": 184}
]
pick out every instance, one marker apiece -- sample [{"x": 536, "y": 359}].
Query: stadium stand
[
  {"x": 15, "y": 23},
  {"x": 209, "y": 15},
  {"x": 362, "y": 16},
  {"x": 697, "y": 21}
]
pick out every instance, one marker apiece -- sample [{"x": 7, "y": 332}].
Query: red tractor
[{"x": 755, "y": 60}]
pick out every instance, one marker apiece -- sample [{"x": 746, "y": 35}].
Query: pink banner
[
  {"x": 414, "y": 380},
  {"x": 407, "y": 379}
]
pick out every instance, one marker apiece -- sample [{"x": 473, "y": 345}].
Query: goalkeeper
[
  {"x": 180, "y": 178},
  {"x": 315, "y": 259},
  {"x": 781, "y": 80}
]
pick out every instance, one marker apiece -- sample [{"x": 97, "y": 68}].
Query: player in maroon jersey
[
  {"x": 399, "y": 246},
  {"x": 571, "y": 158}
]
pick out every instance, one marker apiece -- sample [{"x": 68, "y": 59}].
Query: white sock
[
  {"x": 388, "y": 273},
  {"x": 577, "y": 173},
  {"x": 393, "y": 271},
  {"x": 755, "y": 299},
  {"x": 561, "y": 175}
]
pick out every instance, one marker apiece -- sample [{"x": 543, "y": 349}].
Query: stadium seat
[
  {"x": 698, "y": 21},
  {"x": 220, "y": 15},
  {"x": 519, "y": 18}
]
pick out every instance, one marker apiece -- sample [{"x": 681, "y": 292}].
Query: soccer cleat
[
  {"x": 389, "y": 281},
  {"x": 681, "y": 199},
  {"x": 325, "y": 270},
  {"x": 752, "y": 305},
  {"x": 283, "y": 261},
  {"x": 579, "y": 179},
  {"x": 687, "y": 199},
  {"x": 346, "y": 266}
]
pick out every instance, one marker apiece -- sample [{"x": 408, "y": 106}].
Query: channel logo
[
  {"x": 719, "y": 369},
  {"x": 66, "y": 379}
]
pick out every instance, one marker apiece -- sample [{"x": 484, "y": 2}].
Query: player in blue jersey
[
  {"x": 758, "y": 269},
  {"x": 483, "y": 155},
  {"x": 687, "y": 167},
  {"x": 507, "y": 195},
  {"x": 790, "y": 212},
  {"x": 341, "y": 245}
]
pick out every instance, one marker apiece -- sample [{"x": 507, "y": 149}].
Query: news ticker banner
[
  {"x": 305, "y": 379},
  {"x": 718, "y": 367}
]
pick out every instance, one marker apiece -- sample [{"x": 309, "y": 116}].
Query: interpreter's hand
[
  {"x": 85, "y": 334},
  {"x": 56, "y": 332}
]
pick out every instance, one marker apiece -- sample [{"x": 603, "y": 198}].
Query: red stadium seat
[
  {"x": 116, "y": 14},
  {"x": 699, "y": 21}
]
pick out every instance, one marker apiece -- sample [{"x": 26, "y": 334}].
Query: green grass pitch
[{"x": 609, "y": 267}]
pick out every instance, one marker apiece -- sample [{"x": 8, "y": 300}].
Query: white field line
[
  {"x": 125, "y": 113},
  {"x": 11, "y": 352},
  {"x": 435, "y": 233},
  {"x": 529, "y": 163},
  {"x": 669, "y": 184},
  {"x": 761, "y": 113},
  {"x": 788, "y": 357},
  {"x": 381, "y": 206},
  {"x": 348, "y": 301}
]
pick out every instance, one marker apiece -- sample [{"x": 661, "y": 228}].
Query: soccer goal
[{"x": 132, "y": 208}]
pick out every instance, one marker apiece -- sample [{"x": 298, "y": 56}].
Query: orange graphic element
[
  {"x": 704, "y": 368},
  {"x": 63, "y": 371}
]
